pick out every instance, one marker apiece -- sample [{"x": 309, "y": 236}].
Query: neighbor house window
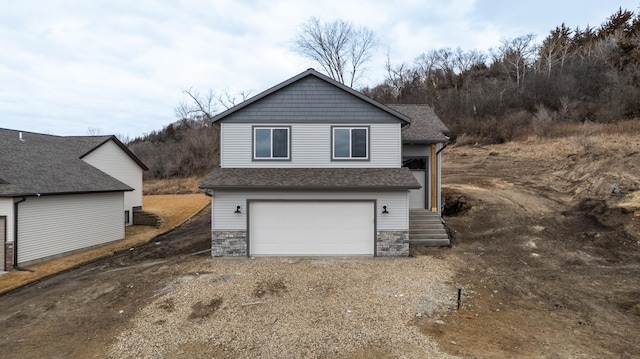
[
  {"x": 271, "y": 143},
  {"x": 350, "y": 142},
  {"x": 126, "y": 217}
]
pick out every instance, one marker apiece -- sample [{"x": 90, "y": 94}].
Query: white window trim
[
  {"x": 271, "y": 158},
  {"x": 350, "y": 158}
]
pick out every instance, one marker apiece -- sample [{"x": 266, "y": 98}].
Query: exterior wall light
[
  {"x": 237, "y": 209},
  {"x": 384, "y": 209}
]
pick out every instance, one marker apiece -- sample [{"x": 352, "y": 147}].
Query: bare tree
[
  {"x": 555, "y": 49},
  {"x": 94, "y": 131},
  {"x": 464, "y": 61},
  {"x": 203, "y": 107},
  {"x": 338, "y": 47},
  {"x": 197, "y": 106},
  {"x": 397, "y": 76},
  {"x": 516, "y": 56}
]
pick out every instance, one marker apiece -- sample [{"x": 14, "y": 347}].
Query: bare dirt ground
[
  {"x": 550, "y": 236},
  {"x": 78, "y": 313},
  {"x": 546, "y": 247}
]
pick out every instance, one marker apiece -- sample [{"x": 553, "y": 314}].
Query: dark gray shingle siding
[{"x": 311, "y": 100}]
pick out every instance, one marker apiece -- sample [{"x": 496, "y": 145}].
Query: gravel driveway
[{"x": 293, "y": 308}]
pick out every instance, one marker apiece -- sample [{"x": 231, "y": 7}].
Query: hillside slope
[{"x": 547, "y": 241}]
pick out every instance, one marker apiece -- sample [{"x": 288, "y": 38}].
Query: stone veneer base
[
  {"x": 234, "y": 243},
  {"x": 229, "y": 243},
  {"x": 392, "y": 243}
]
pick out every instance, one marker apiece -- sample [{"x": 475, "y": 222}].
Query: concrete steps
[{"x": 426, "y": 229}]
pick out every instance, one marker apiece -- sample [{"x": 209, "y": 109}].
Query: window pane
[
  {"x": 359, "y": 142},
  {"x": 263, "y": 142},
  {"x": 341, "y": 142},
  {"x": 280, "y": 142}
]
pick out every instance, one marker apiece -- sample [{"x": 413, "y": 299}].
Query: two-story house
[{"x": 313, "y": 167}]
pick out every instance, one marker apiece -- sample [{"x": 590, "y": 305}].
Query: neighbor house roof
[
  {"x": 311, "y": 179},
  {"x": 425, "y": 126},
  {"x": 39, "y": 164},
  {"x": 405, "y": 120}
]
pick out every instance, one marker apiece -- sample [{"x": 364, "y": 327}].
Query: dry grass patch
[
  {"x": 172, "y": 186},
  {"x": 174, "y": 210}
]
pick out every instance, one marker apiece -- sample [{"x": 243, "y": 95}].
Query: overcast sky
[{"x": 121, "y": 66}]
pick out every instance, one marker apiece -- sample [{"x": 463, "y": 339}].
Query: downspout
[
  {"x": 443, "y": 147},
  {"x": 442, "y": 200},
  {"x": 15, "y": 236}
]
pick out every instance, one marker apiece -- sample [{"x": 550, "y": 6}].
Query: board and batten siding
[
  {"x": 53, "y": 225},
  {"x": 311, "y": 146},
  {"x": 110, "y": 159},
  {"x": 6, "y": 209},
  {"x": 225, "y": 202}
]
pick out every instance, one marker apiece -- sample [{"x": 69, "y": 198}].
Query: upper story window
[
  {"x": 350, "y": 143},
  {"x": 271, "y": 143}
]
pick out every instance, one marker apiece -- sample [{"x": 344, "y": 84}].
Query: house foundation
[
  {"x": 229, "y": 243},
  {"x": 392, "y": 243}
]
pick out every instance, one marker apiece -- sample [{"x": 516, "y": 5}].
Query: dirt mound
[{"x": 455, "y": 204}]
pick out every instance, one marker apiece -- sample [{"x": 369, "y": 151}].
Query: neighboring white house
[
  {"x": 61, "y": 194},
  {"x": 313, "y": 167}
]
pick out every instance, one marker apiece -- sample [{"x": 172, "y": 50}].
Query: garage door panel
[{"x": 311, "y": 228}]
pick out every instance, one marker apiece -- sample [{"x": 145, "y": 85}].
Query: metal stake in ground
[{"x": 459, "y": 295}]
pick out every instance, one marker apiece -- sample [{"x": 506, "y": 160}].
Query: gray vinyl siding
[
  {"x": 311, "y": 146},
  {"x": 3, "y": 227},
  {"x": 6, "y": 209},
  {"x": 311, "y": 100},
  {"x": 53, "y": 225},
  {"x": 224, "y": 205},
  {"x": 110, "y": 159}
]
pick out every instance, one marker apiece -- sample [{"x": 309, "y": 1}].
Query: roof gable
[
  {"x": 311, "y": 97},
  {"x": 89, "y": 143},
  {"x": 33, "y": 163}
]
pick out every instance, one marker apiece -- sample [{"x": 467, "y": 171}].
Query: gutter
[
  {"x": 443, "y": 147},
  {"x": 15, "y": 235}
]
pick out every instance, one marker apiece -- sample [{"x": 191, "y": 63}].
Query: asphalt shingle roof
[
  {"x": 425, "y": 125},
  {"x": 311, "y": 178},
  {"x": 46, "y": 164}
]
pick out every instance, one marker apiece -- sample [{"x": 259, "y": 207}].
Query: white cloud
[{"x": 121, "y": 65}]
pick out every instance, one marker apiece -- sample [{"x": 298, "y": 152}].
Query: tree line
[
  {"x": 523, "y": 87},
  {"x": 514, "y": 90}
]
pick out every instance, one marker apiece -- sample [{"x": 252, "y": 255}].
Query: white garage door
[{"x": 311, "y": 228}]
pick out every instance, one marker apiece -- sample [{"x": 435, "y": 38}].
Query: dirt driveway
[{"x": 545, "y": 248}]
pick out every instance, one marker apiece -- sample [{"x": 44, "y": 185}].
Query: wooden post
[{"x": 434, "y": 179}]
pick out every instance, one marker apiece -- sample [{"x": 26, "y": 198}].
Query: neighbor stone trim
[
  {"x": 392, "y": 243},
  {"x": 228, "y": 243}
]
